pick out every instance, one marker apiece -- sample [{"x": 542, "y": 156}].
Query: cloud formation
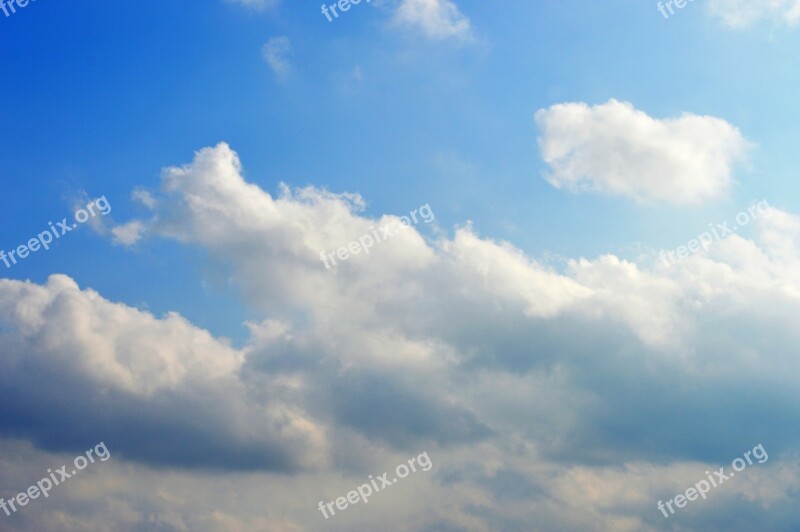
[
  {"x": 457, "y": 345},
  {"x": 615, "y": 149},
  {"x": 128, "y": 364}
]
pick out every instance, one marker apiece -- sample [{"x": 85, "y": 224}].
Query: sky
[{"x": 262, "y": 255}]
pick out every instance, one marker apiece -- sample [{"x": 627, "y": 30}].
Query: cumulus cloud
[
  {"x": 744, "y": 13},
  {"x": 437, "y": 19},
  {"x": 615, "y": 149},
  {"x": 537, "y": 390},
  {"x": 58, "y": 338},
  {"x": 437, "y": 299}
]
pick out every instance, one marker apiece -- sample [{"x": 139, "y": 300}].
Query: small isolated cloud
[
  {"x": 276, "y": 53},
  {"x": 743, "y": 13},
  {"x": 437, "y": 19},
  {"x": 128, "y": 234},
  {"x": 613, "y": 148}
]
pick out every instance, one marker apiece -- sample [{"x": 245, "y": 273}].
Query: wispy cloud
[
  {"x": 277, "y": 53},
  {"x": 744, "y": 13}
]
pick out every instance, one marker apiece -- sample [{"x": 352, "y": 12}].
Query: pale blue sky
[{"x": 103, "y": 102}]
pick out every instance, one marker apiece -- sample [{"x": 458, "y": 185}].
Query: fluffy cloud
[
  {"x": 128, "y": 364},
  {"x": 538, "y": 391},
  {"x": 437, "y": 19},
  {"x": 615, "y": 149},
  {"x": 743, "y": 13},
  {"x": 465, "y": 301}
]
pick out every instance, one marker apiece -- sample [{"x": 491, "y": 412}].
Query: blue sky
[
  {"x": 648, "y": 130},
  {"x": 102, "y": 104}
]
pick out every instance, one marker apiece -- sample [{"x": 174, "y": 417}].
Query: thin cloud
[{"x": 277, "y": 54}]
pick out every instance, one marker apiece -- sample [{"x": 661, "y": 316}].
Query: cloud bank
[{"x": 572, "y": 396}]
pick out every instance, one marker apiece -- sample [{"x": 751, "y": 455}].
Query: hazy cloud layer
[{"x": 744, "y": 13}]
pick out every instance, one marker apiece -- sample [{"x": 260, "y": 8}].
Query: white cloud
[
  {"x": 615, "y": 149},
  {"x": 277, "y": 52},
  {"x": 744, "y": 13},
  {"x": 128, "y": 364},
  {"x": 129, "y": 233},
  {"x": 437, "y": 19},
  {"x": 275, "y": 245},
  {"x": 536, "y": 391},
  {"x": 143, "y": 196}
]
